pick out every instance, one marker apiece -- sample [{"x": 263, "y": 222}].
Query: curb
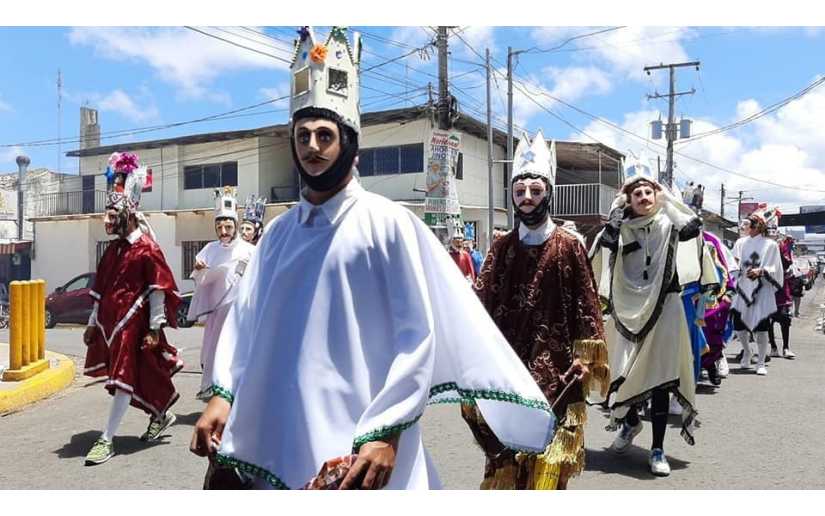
[{"x": 39, "y": 386}]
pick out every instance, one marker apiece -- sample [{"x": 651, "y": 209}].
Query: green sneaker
[
  {"x": 158, "y": 426},
  {"x": 101, "y": 451}
]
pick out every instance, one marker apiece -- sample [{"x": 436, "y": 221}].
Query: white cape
[
  {"x": 344, "y": 330},
  {"x": 215, "y": 291},
  {"x": 755, "y": 299}
]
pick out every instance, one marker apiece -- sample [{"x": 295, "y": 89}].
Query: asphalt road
[{"x": 756, "y": 432}]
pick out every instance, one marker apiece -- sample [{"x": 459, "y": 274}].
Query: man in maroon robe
[{"x": 135, "y": 297}]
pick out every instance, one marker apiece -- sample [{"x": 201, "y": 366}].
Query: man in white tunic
[
  {"x": 639, "y": 267},
  {"x": 761, "y": 274},
  {"x": 352, "y": 318},
  {"x": 218, "y": 268}
]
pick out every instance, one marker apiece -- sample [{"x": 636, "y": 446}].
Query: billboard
[{"x": 809, "y": 209}]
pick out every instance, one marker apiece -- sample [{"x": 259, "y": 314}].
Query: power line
[
  {"x": 234, "y": 43},
  {"x": 536, "y": 50}
]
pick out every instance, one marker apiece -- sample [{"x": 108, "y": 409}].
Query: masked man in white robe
[
  {"x": 350, "y": 320},
  {"x": 761, "y": 274},
  {"x": 218, "y": 268},
  {"x": 637, "y": 264}
]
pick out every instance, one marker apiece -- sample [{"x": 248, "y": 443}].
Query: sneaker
[
  {"x": 762, "y": 371},
  {"x": 658, "y": 463},
  {"x": 787, "y": 353},
  {"x": 722, "y": 367},
  {"x": 745, "y": 362},
  {"x": 774, "y": 352},
  {"x": 158, "y": 426},
  {"x": 204, "y": 395},
  {"x": 102, "y": 450},
  {"x": 714, "y": 377},
  {"x": 625, "y": 437}
]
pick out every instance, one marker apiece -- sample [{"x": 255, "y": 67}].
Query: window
[
  {"x": 78, "y": 283},
  {"x": 302, "y": 81},
  {"x": 459, "y": 166},
  {"x": 213, "y": 175},
  {"x": 101, "y": 248},
  {"x": 190, "y": 249},
  {"x": 337, "y": 81},
  {"x": 398, "y": 159}
]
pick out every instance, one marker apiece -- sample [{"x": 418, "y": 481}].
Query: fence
[
  {"x": 583, "y": 199},
  {"x": 70, "y": 203}
]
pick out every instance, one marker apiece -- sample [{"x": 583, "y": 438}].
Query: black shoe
[
  {"x": 739, "y": 356},
  {"x": 767, "y": 359},
  {"x": 713, "y": 376}
]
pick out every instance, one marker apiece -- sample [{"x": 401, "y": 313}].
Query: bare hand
[
  {"x": 151, "y": 340},
  {"x": 89, "y": 335},
  {"x": 373, "y": 467},
  {"x": 576, "y": 370},
  {"x": 206, "y": 439},
  {"x": 754, "y": 273},
  {"x": 200, "y": 264}
]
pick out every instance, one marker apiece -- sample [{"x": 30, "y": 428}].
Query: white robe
[
  {"x": 350, "y": 320},
  {"x": 215, "y": 291},
  {"x": 755, "y": 299}
]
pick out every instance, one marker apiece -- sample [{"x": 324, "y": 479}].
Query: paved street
[{"x": 756, "y": 433}]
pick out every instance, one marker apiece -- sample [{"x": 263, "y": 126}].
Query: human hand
[
  {"x": 89, "y": 335},
  {"x": 206, "y": 439},
  {"x": 151, "y": 340},
  {"x": 373, "y": 467},
  {"x": 754, "y": 273},
  {"x": 200, "y": 264}
]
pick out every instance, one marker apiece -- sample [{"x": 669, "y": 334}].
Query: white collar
[
  {"x": 536, "y": 236},
  {"x": 134, "y": 236},
  {"x": 334, "y": 207}
]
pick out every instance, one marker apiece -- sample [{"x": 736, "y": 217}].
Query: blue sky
[{"x": 145, "y": 77}]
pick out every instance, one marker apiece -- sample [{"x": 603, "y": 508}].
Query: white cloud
[
  {"x": 120, "y": 102},
  {"x": 478, "y": 37},
  {"x": 183, "y": 57},
  {"x": 9, "y": 155},
  {"x": 572, "y": 83},
  {"x": 277, "y": 92},
  {"x": 5, "y": 106},
  {"x": 785, "y": 147}
]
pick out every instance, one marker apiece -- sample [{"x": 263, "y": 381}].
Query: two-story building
[{"x": 185, "y": 170}]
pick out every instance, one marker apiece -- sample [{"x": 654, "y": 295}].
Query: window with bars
[
  {"x": 397, "y": 159},
  {"x": 212, "y": 175},
  {"x": 191, "y": 248},
  {"x": 459, "y": 166}
]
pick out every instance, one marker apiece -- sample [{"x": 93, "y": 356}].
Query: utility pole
[
  {"x": 739, "y": 206},
  {"x": 23, "y": 162},
  {"x": 722, "y": 202},
  {"x": 670, "y": 133},
  {"x": 443, "y": 80},
  {"x": 59, "y": 115},
  {"x": 489, "y": 158}
]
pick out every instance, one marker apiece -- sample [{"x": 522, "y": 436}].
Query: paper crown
[
  {"x": 254, "y": 209},
  {"x": 455, "y": 229},
  {"x": 129, "y": 197},
  {"x": 535, "y": 158},
  {"x": 226, "y": 205},
  {"x": 325, "y": 75},
  {"x": 639, "y": 169}
]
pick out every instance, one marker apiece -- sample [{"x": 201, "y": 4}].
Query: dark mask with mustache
[
  {"x": 539, "y": 213},
  {"x": 333, "y": 176}
]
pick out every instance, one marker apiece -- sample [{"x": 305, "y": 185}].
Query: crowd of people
[{"x": 358, "y": 319}]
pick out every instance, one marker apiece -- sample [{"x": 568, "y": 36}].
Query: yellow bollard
[
  {"x": 15, "y": 325},
  {"x": 34, "y": 334},
  {"x": 41, "y": 318},
  {"x": 24, "y": 315}
]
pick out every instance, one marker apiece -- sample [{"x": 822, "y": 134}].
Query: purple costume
[{"x": 717, "y": 327}]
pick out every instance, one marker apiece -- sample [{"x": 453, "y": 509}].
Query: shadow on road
[
  {"x": 79, "y": 444},
  {"x": 632, "y": 463},
  {"x": 189, "y": 419}
]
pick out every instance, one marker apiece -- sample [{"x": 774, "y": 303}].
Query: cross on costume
[
  {"x": 537, "y": 285},
  {"x": 216, "y": 284},
  {"x": 253, "y": 216},
  {"x": 134, "y": 295},
  {"x": 369, "y": 318},
  {"x": 755, "y": 300},
  {"x": 635, "y": 262}
]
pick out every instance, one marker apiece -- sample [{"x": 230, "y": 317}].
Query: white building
[{"x": 185, "y": 170}]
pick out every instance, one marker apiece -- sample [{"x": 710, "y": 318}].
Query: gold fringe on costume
[{"x": 593, "y": 354}]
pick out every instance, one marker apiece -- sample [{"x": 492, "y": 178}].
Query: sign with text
[{"x": 442, "y": 195}]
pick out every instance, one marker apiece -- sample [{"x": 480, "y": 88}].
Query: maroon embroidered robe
[{"x": 126, "y": 275}]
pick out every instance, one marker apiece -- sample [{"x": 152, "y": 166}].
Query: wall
[
  {"x": 61, "y": 250},
  {"x": 276, "y": 170}
]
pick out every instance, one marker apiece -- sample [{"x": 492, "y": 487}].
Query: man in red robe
[{"x": 135, "y": 297}]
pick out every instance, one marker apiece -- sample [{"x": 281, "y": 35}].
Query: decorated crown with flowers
[{"x": 325, "y": 74}]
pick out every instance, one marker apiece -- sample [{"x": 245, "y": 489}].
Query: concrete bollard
[
  {"x": 41, "y": 319},
  {"x": 27, "y": 330},
  {"x": 16, "y": 325}
]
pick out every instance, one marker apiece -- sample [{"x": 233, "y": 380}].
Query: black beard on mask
[
  {"x": 541, "y": 210},
  {"x": 333, "y": 176}
]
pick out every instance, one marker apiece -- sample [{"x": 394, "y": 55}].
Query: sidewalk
[{"x": 14, "y": 395}]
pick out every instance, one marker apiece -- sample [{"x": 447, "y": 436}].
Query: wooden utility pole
[{"x": 443, "y": 80}]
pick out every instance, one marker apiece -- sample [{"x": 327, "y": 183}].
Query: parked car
[
  {"x": 71, "y": 303},
  {"x": 183, "y": 309}
]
